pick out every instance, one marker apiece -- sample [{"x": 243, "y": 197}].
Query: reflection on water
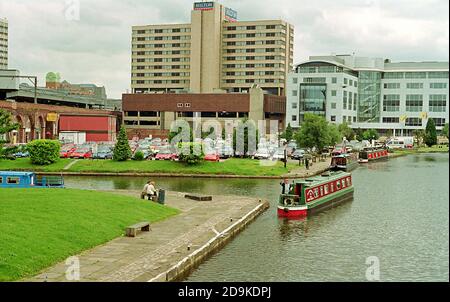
[{"x": 400, "y": 214}]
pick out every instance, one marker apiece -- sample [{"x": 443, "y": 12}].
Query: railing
[{"x": 49, "y": 181}]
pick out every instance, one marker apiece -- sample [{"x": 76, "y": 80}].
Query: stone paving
[{"x": 151, "y": 253}]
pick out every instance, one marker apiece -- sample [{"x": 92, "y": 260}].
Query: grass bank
[
  {"x": 233, "y": 166},
  {"x": 22, "y": 164},
  {"x": 434, "y": 149},
  {"x": 41, "y": 227}
]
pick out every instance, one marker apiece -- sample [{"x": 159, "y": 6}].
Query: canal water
[{"x": 400, "y": 214}]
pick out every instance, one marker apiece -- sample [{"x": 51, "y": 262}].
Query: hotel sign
[
  {"x": 230, "y": 15},
  {"x": 203, "y": 5}
]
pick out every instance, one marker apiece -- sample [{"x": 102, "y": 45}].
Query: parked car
[
  {"x": 262, "y": 154},
  {"x": 298, "y": 154},
  {"x": 226, "y": 152},
  {"x": 81, "y": 152},
  {"x": 166, "y": 154},
  {"x": 279, "y": 154},
  {"x": 103, "y": 153},
  {"x": 212, "y": 157},
  {"x": 66, "y": 150}
]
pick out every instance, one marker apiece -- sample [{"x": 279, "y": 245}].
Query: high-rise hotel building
[
  {"x": 213, "y": 53},
  {"x": 3, "y": 43}
]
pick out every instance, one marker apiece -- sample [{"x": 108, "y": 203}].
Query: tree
[
  {"x": 250, "y": 134},
  {"x": 44, "y": 151},
  {"x": 370, "y": 134},
  {"x": 6, "y": 126},
  {"x": 288, "y": 134},
  {"x": 194, "y": 154},
  {"x": 346, "y": 131},
  {"x": 419, "y": 136},
  {"x": 314, "y": 132},
  {"x": 335, "y": 135},
  {"x": 122, "y": 150},
  {"x": 430, "y": 138},
  {"x": 445, "y": 131}
]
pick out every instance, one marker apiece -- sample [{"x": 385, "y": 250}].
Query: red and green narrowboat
[
  {"x": 372, "y": 154},
  {"x": 311, "y": 195}
]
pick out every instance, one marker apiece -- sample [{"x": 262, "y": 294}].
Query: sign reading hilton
[{"x": 203, "y": 5}]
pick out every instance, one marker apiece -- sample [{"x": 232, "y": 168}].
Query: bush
[
  {"x": 430, "y": 138},
  {"x": 192, "y": 157},
  {"x": 122, "y": 150},
  {"x": 44, "y": 151},
  {"x": 139, "y": 156}
]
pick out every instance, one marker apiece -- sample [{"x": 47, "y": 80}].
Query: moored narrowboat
[
  {"x": 372, "y": 154},
  {"x": 308, "y": 196},
  {"x": 344, "y": 162},
  {"x": 11, "y": 179}
]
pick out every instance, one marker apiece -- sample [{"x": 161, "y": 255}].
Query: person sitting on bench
[{"x": 146, "y": 190}]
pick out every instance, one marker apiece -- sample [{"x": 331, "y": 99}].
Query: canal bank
[{"x": 172, "y": 249}]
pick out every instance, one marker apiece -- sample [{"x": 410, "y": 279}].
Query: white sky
[{"x": 96, "y": 48}]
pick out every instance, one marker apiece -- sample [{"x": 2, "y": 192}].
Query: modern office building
[
  {"x": 369, "y": 93},
  {"x": 3, "y": 43},
  {"x": 213, "y": 53}
]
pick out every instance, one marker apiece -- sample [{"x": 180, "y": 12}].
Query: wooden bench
[
  {"x": 198, "y": 197},
  {"x": 132, "y": 230}
]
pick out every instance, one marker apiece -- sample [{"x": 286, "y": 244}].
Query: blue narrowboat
[{"x": 11, "y": 179}]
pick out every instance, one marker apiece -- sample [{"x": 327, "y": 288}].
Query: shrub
[
  {"x": 122, "y": 150},
  {"x": 191, "y": 153},
  {"x": 139, "y": 155},
  {"x": 44, "y": 151}
]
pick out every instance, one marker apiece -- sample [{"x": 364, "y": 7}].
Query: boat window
[
  {"x": 349, "y": 182},
  {"x": 325, "y": 187},
  {"x": 13, "y": 180},
  {"x": 332, "y": 187},
  {"x": 1, "y": 180},
  {"x": 343, "y": 183},
  {"x": 338, "y": 185}
]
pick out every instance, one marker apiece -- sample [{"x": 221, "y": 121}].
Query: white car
[
  {"x": 262, "y": 154},
  {"x": 278, "y": 155}
]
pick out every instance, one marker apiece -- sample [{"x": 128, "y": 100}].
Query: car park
[
  {"x": 166, "y": 154},
  {"x": 82, "y": 152},
  {"x": 262, "y": 154},
  {"x": 66, "y": 150},
  {"x": 103, "y": 152},
  {"x": 279, "y": 154}
]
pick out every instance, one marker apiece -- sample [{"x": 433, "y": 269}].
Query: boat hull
[{"x": 310, "y": 209}]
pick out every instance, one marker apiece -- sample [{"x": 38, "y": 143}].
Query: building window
[
  {"x": 209, "y": 114},
  {"x": 333, "y": 118},
  {"x": 391, "y": 103},
  {"x": 438, "y": 85},
  {"x": 414, "y": 102},
  {"x": 148, "y": 123},
  {"x": 131, "y": 113},
  {"x": 294, "y": 92},
  {"x": 187, "y": 105},
  {"x": 333, "y": 105},
  {"x": 180, "y": 105},
  {"x": 438, "y": 75},
  {"x": 294, "y": 80},
  {"x": 413, "y": 121},
  {"x": 440, "y": 122},
  {"x": 149, "y": 113},
  {"x": 415, "y": 75},
  {"x": 345, "y": 100},
  {"x": 393, "y": 75},
  {"x": 391, "y": 85},
  {"x": 391, "y": 120},
  {"x": 414, "y": 85},
  {"x": 333, "y": 92},
  {"x": 294, "y": 118},
  {"x": 334, "y": 80},
  {"x": 437, "y": 103},
  {"x": 294, "y": 105},
  {"x": 345, "y": 81}
]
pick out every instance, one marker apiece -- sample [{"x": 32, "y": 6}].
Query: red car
[
  {"x": 212, "y": 157},
  {"x": 66, "y": 151},
  {"x": 166, "y": 155},
  {"x": 81, "y": 153}
]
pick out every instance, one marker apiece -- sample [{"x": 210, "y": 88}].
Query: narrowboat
[
  {"x": 311, "y": 195},
  {"x": 344, "y": 162},
  {"x": 372, "y": 154},
  {"x": 10, "y": 179}
]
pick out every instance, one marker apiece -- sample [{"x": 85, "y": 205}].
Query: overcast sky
[{"x": 96, "y": 48}]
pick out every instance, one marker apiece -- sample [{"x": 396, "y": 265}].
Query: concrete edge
[{"x": 184, "y": 268}]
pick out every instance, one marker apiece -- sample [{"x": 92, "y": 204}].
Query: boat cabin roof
[
  {"x": 14, "y": 173},
  {"x": 324, "y": 178}
]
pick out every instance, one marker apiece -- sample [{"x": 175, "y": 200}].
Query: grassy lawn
[
  {"x": 41, "y": 227},
  {"x": 22, "y": 164},
  {"x": 232, "y": 166}
]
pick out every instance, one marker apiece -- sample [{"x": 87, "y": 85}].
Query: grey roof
[{"x": 416, "y": 66}]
